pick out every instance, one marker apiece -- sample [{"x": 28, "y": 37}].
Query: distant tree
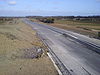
[{"x": 47, "y": 20}]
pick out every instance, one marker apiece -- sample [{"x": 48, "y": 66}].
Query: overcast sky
[{"x": 49, "y": 7}]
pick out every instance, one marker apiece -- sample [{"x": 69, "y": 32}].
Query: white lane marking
[
  {"x": 54, "y": 64},
  {"x": 73, "y": 36}
]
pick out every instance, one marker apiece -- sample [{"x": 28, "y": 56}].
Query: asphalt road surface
[{"x": 78, "y": 58}]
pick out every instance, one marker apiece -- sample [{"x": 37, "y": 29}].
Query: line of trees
[
  {"x": 6, "y": 19},
  {"x": 50, "y": 19}
]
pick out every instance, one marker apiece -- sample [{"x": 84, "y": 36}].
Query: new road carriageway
[{"x": 73, "y": 53}]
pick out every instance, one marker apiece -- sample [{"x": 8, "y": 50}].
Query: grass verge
[{"x": 22, "y": 52}]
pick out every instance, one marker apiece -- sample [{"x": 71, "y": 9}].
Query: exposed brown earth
[
  {"x": 85, "y": 30},
  {"x": 19, "y": 55}
]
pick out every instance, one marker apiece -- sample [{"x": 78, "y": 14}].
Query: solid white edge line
[
  {"x": 54, "y": 64},
  {"x": 73, "y": 36}
]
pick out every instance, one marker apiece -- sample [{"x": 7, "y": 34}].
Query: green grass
[{"x": 1, "y": 22}]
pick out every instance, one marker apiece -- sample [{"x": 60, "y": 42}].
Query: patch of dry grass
[{"x": 18, "y": 46}]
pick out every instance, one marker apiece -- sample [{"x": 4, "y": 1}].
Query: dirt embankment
[
  {"x": 85, "y": 30},
  {"x": 22, "y": 52},
  {"x": 88, "y": 29}
]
